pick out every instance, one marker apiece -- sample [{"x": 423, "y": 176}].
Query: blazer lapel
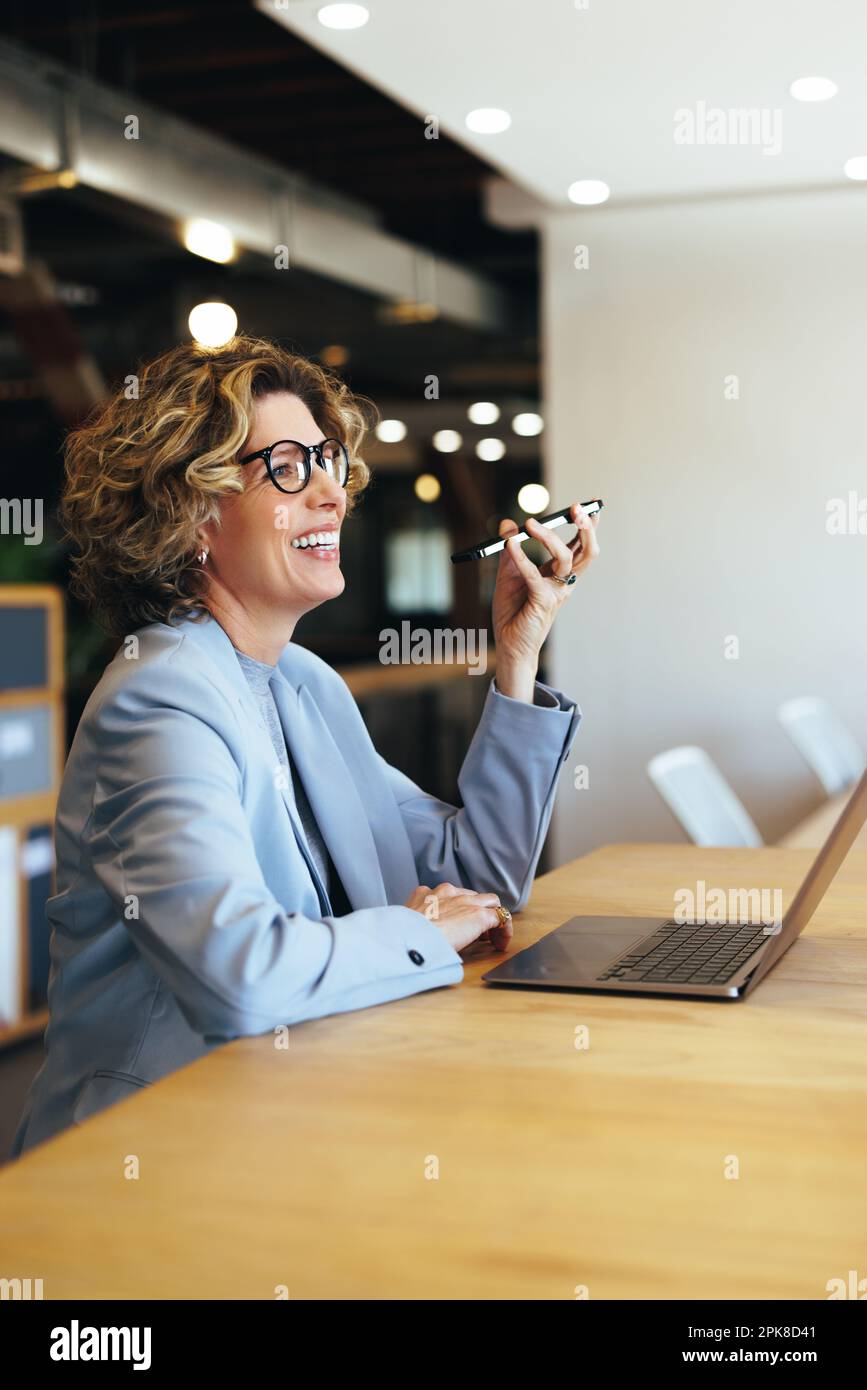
[
  {"x": 210, "y": 637},
  {"x": 281, "y": 783},
  {"x": 336, "y": 804}
]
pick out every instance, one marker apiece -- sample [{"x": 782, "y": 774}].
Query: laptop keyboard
[{"x": 703, "y": 954}]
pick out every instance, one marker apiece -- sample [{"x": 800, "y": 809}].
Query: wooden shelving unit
[{"x": 31, "y": 639}]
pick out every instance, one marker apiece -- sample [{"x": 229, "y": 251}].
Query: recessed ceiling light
[
  {"x": 391, "y": 431},
  {"x": 484, "y": 413},
  {"x": 528, "y": 423},
  {"x": 589, "y": 191},
  {"x": 209, "y": 239},
  {"x": 490, "y": 449},
  {"x": 533, "y": 498},
  {"x": 447, "y": 441},
  {"x": 427, "y": 487},
  {"x": 343, "y": 16},
  {"x": 813, "y": 89},
  {"x": 856, "y": 168},
  {"x": 213, "y": 324},
  {"x": 488, "y": 120}
]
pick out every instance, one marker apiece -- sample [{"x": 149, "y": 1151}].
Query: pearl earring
[{"x": 202, "y": 557}]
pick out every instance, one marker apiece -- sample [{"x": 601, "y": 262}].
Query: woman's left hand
[{"x": 527, "y": 599}]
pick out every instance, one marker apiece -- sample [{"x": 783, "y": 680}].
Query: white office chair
[
  {"x": 822, "y": 738},
  {"x": 693, "y": 787}
]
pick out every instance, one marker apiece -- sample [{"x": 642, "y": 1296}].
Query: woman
[{"x": 232, "y": 853}]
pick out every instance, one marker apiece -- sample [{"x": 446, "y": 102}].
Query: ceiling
[
  {"x": 227, "y": 68},
  {"x": 592, "y": 93},
  {"x": 593, "y": 87}
]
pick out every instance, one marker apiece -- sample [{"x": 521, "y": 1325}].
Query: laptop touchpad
[{"x": 575, "y": 953}]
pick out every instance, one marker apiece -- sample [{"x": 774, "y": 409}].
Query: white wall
[{"x": 715, "y": 520}]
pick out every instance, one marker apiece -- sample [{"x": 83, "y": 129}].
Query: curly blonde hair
[{"x": 147, "y": 471}]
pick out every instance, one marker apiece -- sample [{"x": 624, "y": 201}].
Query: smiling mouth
[{"x": 320, "y": 542}]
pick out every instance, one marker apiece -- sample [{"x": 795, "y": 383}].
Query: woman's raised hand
[{"x": 527, "y": 598}]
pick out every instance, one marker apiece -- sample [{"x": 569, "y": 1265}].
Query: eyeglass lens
[{"x": 289, "y": 464}]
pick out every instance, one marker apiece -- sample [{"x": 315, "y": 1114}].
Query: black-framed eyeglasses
[{"x": 290, "y": 464}]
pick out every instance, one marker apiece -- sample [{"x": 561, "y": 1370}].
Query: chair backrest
[
  {"x": 693, "y": 787},
  {"x": 822, "y": 738}
]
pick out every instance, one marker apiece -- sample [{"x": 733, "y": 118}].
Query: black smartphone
[{"x": 495, "y": 543}]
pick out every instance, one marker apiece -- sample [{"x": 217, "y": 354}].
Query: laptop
[{"x": 701, "y": 959}]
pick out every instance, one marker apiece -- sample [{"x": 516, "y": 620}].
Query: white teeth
[{"x": 315, "y": 538}]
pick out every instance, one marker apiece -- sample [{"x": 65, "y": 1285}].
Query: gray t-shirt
[{"x": 258, "y": 675}]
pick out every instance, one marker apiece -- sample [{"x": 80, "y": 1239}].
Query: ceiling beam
[{"x": 55, "y": 119}]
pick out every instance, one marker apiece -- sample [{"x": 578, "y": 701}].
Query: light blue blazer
[{"x": 188, "y": 908}]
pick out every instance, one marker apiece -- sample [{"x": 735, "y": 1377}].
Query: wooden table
[
  {"x": 814, "y": 830},
  {"x": 558, "y": 1167}
]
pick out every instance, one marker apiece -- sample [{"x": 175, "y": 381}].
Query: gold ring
[
  {"x": 570, "y": 578},
  {"x": 504, "y": 914}
]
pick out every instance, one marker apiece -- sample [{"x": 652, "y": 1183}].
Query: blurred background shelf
[
  {"x": 32, "y": 756},
  {"x": 29, "y": 1027}
]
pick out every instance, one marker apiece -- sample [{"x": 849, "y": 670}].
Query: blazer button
[{"x": 416, "y": 957}]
